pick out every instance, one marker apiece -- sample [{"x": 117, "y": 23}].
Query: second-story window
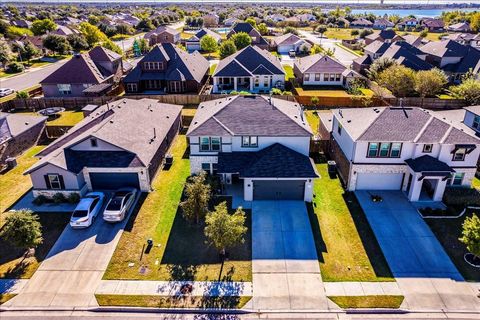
[
  {"x": 459, "y": 155},
  {"x": 476, "y": 122},
  {"x": 210, "y": 144},
  {"x": 249, "y": 142},
  {"x": 384, "y": 150},
  {"x": 427, "y": 148}
]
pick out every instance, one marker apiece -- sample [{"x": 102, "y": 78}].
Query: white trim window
[
  {"x": 54, "y": 180},
  {"x": 210, "y": 144},
  {"x": 132, "y": 87},
  {"x": 249, "y": 141},
  {"x": 64, "y": 89}
]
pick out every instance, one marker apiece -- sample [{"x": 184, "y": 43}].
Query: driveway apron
[{"x": 286, "y": 272}]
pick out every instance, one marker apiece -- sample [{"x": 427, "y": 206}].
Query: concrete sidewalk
[
  {"x": 172, "y": 288},
  {"x": 361, "y": 288}
]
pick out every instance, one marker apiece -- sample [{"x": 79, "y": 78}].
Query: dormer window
[{"x": 93, "y": 143}]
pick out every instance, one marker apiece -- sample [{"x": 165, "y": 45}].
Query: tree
[
  {"x": 208, "y": 44},
  {"x": 475, "y": 22},
  {"x": 471, "y": 235},
  {"x": 26, "y": 50},
  {"x": 263, "y": 29},
  {"x": 429, "y": 83},
  {"x": 57, "y": 44},
  {"x": 316, "y": 48},
  {"x": 378, "y": 66},
  {"x": 14, "y": 32},
  {"x": 23, "y": 95},
  {"x": 469, "y": 90},
  {"x": 322, "y": 29},
  {"x": 77, "y": 42},
  {"x": 241, "y": 40},
  {"x": 197, "y": 193},
  {"x": 399, "y": 79},
  {"x": 22, "y": 229},
  {"x": 291, "y": 30},
  {"x": 40, "y": 27},
  {"x": 224, "y": 230},
  {"x": 110, "y": 45},
  {"x": 227, "y": 48},
  {"x": 145, "y": 25},
  {"x": 252, "y": 22},
  {"x": 5, "y": 53},
  {"x": 92, "y": 34},
  {"x": 143, "y": 45}
]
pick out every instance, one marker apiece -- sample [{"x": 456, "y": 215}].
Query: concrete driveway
[
  {"x": 422, "y": 268},
  {"x": 74, "y": 267},
  {"x": 286, "y": 273}
]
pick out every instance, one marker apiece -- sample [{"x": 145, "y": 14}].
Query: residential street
[{"x": 342, "y": 55}]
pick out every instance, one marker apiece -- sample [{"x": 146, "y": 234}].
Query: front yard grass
[
  {"x": 339, "y": 33},
  {"x": 447, "y": 232},
  {"x": 13, "y": 184},
  {"x": 171, "y": 302},
  {"x": 179, "y": 251},
  {"x": 12, "y": 264},
  {"x": 355, "y": 302},
  {"x": 346, "y": 246}
]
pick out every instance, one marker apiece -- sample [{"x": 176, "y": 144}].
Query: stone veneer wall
[{"x": 196, "y": 162}]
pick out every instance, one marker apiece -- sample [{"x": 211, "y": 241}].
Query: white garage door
[{"x": 379, "y": 181}]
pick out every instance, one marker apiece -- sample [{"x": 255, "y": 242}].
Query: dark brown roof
[{"x": 100, "y": 54}]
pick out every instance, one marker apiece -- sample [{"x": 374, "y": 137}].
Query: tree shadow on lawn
[
  {"x": 136, "y": 210},
  {"x": 53, "y": 224},
  {"x": 369, "y": 241},
  {"x": 186, "y": 250}
]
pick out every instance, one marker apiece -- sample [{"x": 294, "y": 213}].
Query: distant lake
[{"x": 431, "y": 13}]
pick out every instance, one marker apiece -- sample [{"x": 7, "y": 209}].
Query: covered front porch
[
  {"x": 427, "y": 179},
  {"x": 228, "y": 84}
]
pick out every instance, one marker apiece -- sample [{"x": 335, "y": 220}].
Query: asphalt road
[{"x": 30, "y": 78}]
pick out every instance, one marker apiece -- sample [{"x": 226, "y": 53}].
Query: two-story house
[
  {"x": 257, "y": 142},
  {"x": 400, "y": 148},
  {"x": 251, "y": 69},
  {"x": 167, "y": 69},
  {"x": 117, "y": 145},
  {"x": 163, "y": 34}
]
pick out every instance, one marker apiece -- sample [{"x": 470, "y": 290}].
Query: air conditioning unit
[{"x": 11, "y": 163}]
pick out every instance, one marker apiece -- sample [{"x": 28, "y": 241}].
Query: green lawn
[
  {"x": 354, "y": 302},
  {"x": 67, "y": 118},
  {"x": 12, "y": 264},
  {"x": 346, "y": 246},
  {"x": 313, "y": 119},
  {"x": 339, "y": 33},
  {"x": 14, "y": 184},
  {"x": 447, "y": 232},
  {"x": 172, "y": 302},
  {"x": 476, "y": 183},
  {"x": 323, "y": 92},
  {"x": 288, "y": 72},
  {"x": 180, "y": 251}
]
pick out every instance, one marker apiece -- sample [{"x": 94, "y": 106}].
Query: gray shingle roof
[
  {"x": 445, "y": 48},
  {"x": 19, "y": 123},
  {"x": 319, "y": 63},
  {"x": 275, "y": 161},
  {"x": 427, "y": 163},
  {"x": 286, "y": 39},
  {"x": 249, "y": 115}
]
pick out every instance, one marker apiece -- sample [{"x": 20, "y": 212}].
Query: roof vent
[
  {"x": 26, "y": 123},
  {"x": 340, "y": 113},
  {"x": 124, "y": 100},
  {"x": 168, "y": 117},
  {"x": 348, "y": 121},
  {"x": 111, "y": 121}
]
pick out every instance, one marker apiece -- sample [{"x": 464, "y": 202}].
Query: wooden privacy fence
[{"x": 428, "y": 103}]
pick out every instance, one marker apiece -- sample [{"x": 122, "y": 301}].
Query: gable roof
[
  {"x": 286, "y": 39},
  {"x": 14, "y": 124},
  {"x": 118, "y": 124},
  {"x": 249, "y": 115},
  {"x": 248, "y": 59},
  {"x": 319, "y": 63},
  {"x": 161, "y": 29},
  {"x": 471, "y": 60},
  {"x": 180, "y": 65},
  {"x": 445, "y": 48},
  {"x": 101, "y": 54},
  {"x": 406, "y": 54},
  {"x": 377, "y": 47}
]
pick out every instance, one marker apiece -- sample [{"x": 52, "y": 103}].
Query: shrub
[
  {"x": 456, "y": 196},
  {"x": 58, "y": 198},
  {"x": 73, "y": 198},
  {"x": 276, "y": 92},
  {"x": 39, "y": 200},
  {"x": 23, "y": 95},
  {"x": 15, "y": 67}
]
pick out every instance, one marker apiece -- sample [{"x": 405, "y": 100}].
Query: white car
[
  {"x": 118, "y": 206},
  {"x": 5, "y": 92},
  {"x": 87, "y": 209}
]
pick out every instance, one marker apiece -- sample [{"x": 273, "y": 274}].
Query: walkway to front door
[{"x": 286, "y": 272}]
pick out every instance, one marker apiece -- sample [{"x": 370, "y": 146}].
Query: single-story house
[
  {"x": 459, "y": 27},
  {"x": 257, "y": 38},
  {"x": 193, "y": 43},
  {"x": 290, "y": 42}
]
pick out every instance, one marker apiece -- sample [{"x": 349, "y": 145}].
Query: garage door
[
  {"x": 278, "y": 190},
  {"x": 379, "y": 181},
  {"x": 112, "y": 181}
]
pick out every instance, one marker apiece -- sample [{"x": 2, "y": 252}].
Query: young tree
[
  {"x": 40, "y": 27},
  {"x": 225, "y": 230},
  {"x": 241, "y": 40},
  {"x": 22, "y": 229},
  {"x": 471, "y": 235},
  {"x": 197, "y": 193},
  {"x": 110, "y": 45},
  {"x": 398, "y": 79},
  {"x": 227, "y": 48},
  {"x": 252, "y": 22},
  {"x": 429, "y": 83},
  {"x": 290, "y": 29},
  {"x": 22, "y": 95},
  {"x": 263, "y": 29},
  {"x": 378, "y": 66},
  {"x": 57, "y": 44},
  {"x": 77, "y": 42},
  {"x": 316, "y": 48},
  {"x": 469, "y": 90},
  {"x": 208, "y": 44},
  {"x": 322, "y": 29}
]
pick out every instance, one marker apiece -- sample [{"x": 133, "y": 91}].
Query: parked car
[
  {"x": 87, "y": 209},
  {"x": 118, "y": 206},
  {"x": 6, "y": 91}
]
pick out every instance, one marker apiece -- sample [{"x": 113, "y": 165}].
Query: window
[
  {"x": 249, "y": 142},
  {"x": 476, "y": 122},
  {"x": 326, "y": 76},
  {"x": 93, "y": 142},
  {"x": 64, "y": 89},
  {"x": 54, "y": 180},
  {"x": 215, "y": 144},
  {"x": 214, "y": 168},
  {"x": 307, "y": 76},
  {"x": 458, "y": 179},
  {"x": 338, "y": 77},
  {"x": 206, "y": 167},
  {"x": 384, "y": 150},
  {"x": 372, "y": 149},
  {"x": 339, "y": 129},
  {"x": 131, "y": 87},
  {"x": 459, "y": 155},
  {"x": 395, "y": 150},
  {"x": 317, "y": 76},
  {"x": 204, "y": 144},
  {"x": 427, "y": 148},
  {"x": 210, "y": 144},
  {"x": 257, "y": 81}
]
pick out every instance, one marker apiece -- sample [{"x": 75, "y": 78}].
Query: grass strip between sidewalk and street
[
  {"x": 149, "y": 301},
  {"x": 357, "y": 302}
]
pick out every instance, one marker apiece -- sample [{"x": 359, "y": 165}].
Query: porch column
[
  {"x": 415, "y": 189},
  {"x": 235, "y": 83},
  {"x": 439, "y": 190},
  {"x": 251, "y": 83},
  {"x": 215, "y": 84}
]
